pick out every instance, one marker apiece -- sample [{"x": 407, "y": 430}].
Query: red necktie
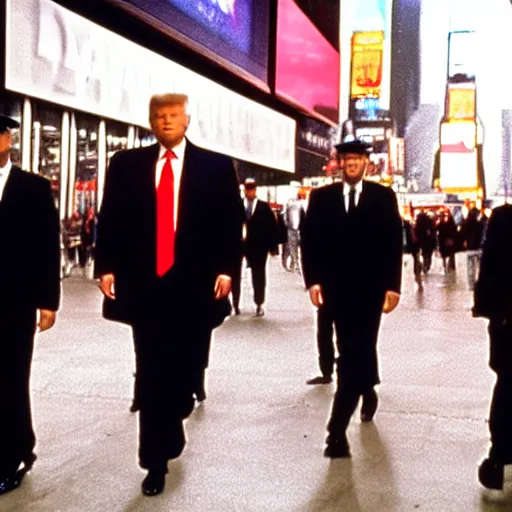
[{"x": 165, "y": 217}]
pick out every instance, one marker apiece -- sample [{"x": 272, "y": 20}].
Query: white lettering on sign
[{"x": 66, "y": 59}]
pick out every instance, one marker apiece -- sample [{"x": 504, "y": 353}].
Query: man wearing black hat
[
  {"x": 30, "y": 295},
  {"x": 259, "y": 238},
  {"x": 352, "y": 260}
]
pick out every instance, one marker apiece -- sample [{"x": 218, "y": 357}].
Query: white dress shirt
[
  {"x": 4, "y": 174},
  {"x": 246, "y": 203},
  {"x": 177, "y": 169},
  {"x": 346, "y": 192}
]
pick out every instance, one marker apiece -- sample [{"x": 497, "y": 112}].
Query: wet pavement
[{"x": 256, "y": 443}]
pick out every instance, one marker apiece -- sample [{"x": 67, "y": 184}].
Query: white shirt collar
[
  {"x": 6, "y": 169},
  {"x": 358, "y": 187},
  {"x": 179, "y": 150}
]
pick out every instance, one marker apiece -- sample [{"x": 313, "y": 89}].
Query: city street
[{"x": 256, "y": 443}]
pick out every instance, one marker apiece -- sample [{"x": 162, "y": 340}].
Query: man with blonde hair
[{"x": 169, "y": 233}]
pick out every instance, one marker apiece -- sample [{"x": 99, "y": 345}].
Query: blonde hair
[{"x": 164, "y": 100}]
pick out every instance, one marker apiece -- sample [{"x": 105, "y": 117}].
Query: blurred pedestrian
[
  {"x": 293, "y": 218},
  {"x": 259, "y": 239},
  {"x": 352, "y": 263},
  {"x": 472, "y": 232},
  {"x": 493, "y": 300},
  {"x": 167, "y": 269},
  {"x": 425, "y": 230},
  {"x": 447, "y": 235},
  {"x": 412, "y": 247},
  {"x": 30, "y": 263}
]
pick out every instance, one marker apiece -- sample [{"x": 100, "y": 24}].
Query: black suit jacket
[
  {"x": 357, "y": 256},
  {"x": 261, "y": 237},
  {"x": 208, "y": 233},
  {"x": 30, "y": 252},
  {"x": 493, "y": 290}
]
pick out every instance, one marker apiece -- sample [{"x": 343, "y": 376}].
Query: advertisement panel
[
  {"x": 461, "y": 100},
  {"x": 307, "y": 66},
  {"x": 458, "y": 171},
  {"x": 458, "y": 156},
  {"x": 235, "y": 30},
  {"x": 462, "y": 52},
  {"x": 458, "y": 137},
  {"x": 64, "y": 58},
  {"x": 367, "y": 64}
]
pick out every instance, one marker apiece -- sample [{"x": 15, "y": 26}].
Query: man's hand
[
  {"x": 46, "y": 319},
  {"x": 107, "y": 286},
  {"x": 222, "y": 287},
  {"x": 390, "y": 301},
  {"x": 315, "y": 295}
]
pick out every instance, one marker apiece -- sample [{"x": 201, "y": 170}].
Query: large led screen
[
  {"x": 307, "y": 66},
  {"x": 235, "y": 30}
]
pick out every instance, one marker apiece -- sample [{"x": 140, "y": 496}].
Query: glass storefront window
[
  {"x": 46, "y": 144},
  {"x": 117, "y": 138},
  {"x": 86, "y": 183},
  {"x": 144, "y": 138}
]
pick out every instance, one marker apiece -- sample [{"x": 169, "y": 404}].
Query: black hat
[
  {"x": 7, "y": 122},
  {"x": 250, "y": 183},
  {"x": 355, "y": 146}
]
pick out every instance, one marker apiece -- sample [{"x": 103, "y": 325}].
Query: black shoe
[
  {"x": 10, "y": 483},
  {"x": 154, "y": 483},
  {"x": 337, "y": 448},
  {"x": 237, "y": 311},
  {"x": 321, "y": 379},
  {"x": 200, "y": 394},
  {"x": 259, "y": 311},
  {"x": 135, "y": 406},
  {"x": 491, "y": 474},
  {"x": 369, "y": 407}
]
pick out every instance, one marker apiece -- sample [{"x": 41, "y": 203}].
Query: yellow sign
[
  {"x": 367, "y": 54},
  {"x": 461, "y": 103}
]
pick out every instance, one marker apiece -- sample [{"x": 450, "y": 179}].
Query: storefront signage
[
  {"x": 64, "y": 58},
  {"x": 315, "y": 136},
  {"x": 367, "y": 64}
]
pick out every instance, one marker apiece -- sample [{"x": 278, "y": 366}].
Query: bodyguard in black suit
[
  {"x": 168, "y": 243},
  {"x": 493, "y": 300},
  {"x": 352, "y": 259},
  {"x": 30, "y": 295},
  {"x": 260, "y": 238}
]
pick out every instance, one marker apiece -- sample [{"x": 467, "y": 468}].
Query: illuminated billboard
[
  {"x": 307, "y": 65},
  {"x": 462, "y": 53},
  {"x": 234, "y": 30},
  {"x": 458, "y": 156},
  {"x": 367, "y": 64},
  {"x": 461, "y": 102}
]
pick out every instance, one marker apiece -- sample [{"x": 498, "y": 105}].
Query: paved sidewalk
[{"x": 256, "y": 443}]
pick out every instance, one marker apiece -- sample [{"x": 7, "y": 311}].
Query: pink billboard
[{"x": 307, "y": 66}]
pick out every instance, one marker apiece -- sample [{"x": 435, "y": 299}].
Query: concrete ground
[{"x": 256, "y": 443}]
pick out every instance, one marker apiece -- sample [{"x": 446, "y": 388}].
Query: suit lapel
[{"x": 189, "y": 175}]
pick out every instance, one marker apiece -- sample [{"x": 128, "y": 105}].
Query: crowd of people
[
  {"x": 168, "y": 273},
  {"x": 436, "y": 232},
  {"x": 78, "y": 236}
]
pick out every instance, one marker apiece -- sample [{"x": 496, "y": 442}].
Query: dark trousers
[
  {"x": 258, "y": 264},
  {"x": 357, "y": 365},
  {"x": 17, "y": 440},
  {"x": 203, "y": 354},
  {"x": 325, "y": 341},
  {"x": 500, "y": 419},
  {"x": 166, "y": 365}
]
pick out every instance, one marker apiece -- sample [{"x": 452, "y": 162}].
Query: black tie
[
  {"x": 352, "y": 200},
  {"x": 248, "y": 211}
]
